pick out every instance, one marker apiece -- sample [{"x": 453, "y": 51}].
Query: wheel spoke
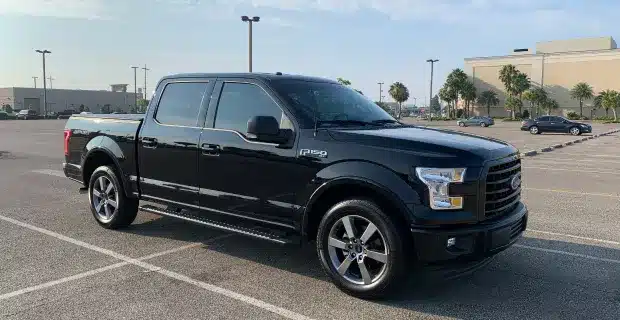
[
  {"x": 370, "y": 230},
  {"x": 378, "y": 256},
  {"x": 364, "y": 272},
  {"x": 344, "y": 266},
  {"x": 113, "y": 203},
  {"x": 101, "y": 181},
  {"x": 98, "y": 207},
  {"x": 348, "y": 226},
  {"x": 96, "y": 193},
  {"x": 108, "y": 212},
  {"x": 109, "y": 188},
  {"x": 337, "y": 243}
]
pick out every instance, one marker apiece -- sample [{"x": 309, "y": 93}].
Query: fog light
[{"x": 451, "y": 242}]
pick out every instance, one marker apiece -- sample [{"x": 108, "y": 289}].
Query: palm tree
[
  {"x": 581, "y": 91},
  {"x": 540, "y": 96},
  {"x": 521, "y": 83},
  {"x": 448, "y": 95},
  {"x": 512, "y": 103},
  {"x": 507, "y": 75},
  {"x": 488, "y": 98},
  {"x": 550, "y": 104},
  {"x": 468, "y": 93},
  {"x": 400, "y": 94},
  {"x": 344, "y": 82},
  {"x": 597, "y": 103},
  {"x": 611, "y": 100},
  {"x": 455, "y": 82},
  {"x": 530, "y": 97}
]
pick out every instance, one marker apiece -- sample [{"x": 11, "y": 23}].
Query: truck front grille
[{"x": 500, "y": 197}]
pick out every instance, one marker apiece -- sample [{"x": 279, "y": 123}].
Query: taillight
[{"x": 67, "y": 137}]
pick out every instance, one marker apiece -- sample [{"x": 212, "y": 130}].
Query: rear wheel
[
  {"x": 575, "y": 131},
  {"x": 461, "y": 124},
  {"x": 534, "y": 130},
  {"x": 108, "y": 203},
  {"x": 361, "y": 249}
]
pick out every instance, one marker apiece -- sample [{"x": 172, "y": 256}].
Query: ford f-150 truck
[{"x": 294, "y": 159}]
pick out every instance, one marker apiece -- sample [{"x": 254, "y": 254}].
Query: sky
[{"x": 94, "y": 43}]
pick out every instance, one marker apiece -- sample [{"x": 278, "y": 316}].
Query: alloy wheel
[
  {"x": 534, "y": 130},
  {"x": 357, "y": 250},
  {"x": 574, "y": 131},
  {"x": 104, "y": 199}
]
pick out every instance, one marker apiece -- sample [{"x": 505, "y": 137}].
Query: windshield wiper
[
  {"x": 346, "y": 122},
  {"x": 383, "y": 121}
]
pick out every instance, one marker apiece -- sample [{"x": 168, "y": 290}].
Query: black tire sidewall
[
  {"x": 537, "y": 130},
  {"x": 121, "y": 216},
  {"x": 396, "y": 262}
]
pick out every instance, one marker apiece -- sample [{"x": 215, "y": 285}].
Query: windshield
[{"x": 334, "y": 104}]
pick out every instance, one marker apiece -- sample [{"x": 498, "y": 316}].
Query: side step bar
[{"x": 216, "y": 224}]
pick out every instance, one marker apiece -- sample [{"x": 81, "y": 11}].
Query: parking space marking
[
  {"x": 50, "y": 172},
  {"x": 558, "y": 159},
  {"x": 587, "y": 155},
  {"x": 575, "y": 192},
  {"x": 566, "y": 253},
  {"x": 171, "y": 274},
  {"x": 571, "y": 170},
  {"x": 574, "y": 237}
]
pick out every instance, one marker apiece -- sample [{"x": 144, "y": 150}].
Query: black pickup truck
[{"x": 294, "y": 159}]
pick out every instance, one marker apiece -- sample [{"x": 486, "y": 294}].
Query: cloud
[{"x": 82, "y": 9}]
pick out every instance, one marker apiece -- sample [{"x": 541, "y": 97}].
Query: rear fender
[{"x": 109, "y": 147}]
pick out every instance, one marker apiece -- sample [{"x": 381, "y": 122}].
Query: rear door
[
  {"x": 556, "y": 124},
  {"x": 543, "y": 123},
  {"x": 168, "y": 141}
]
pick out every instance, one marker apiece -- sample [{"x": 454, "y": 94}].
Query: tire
[
  {"x": 111, "y": 209},
  {"x": 482, "y": 124},
  {"x": 387, "y": 267},
  {"x": 461, "y": 124},
  {"x": 574, "y": 131},
  {"x": 534, "y": 130}
]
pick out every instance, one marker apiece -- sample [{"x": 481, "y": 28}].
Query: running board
[{"x": 188, "y": 216}]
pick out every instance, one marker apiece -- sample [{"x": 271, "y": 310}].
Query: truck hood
[{"x": 429, "y": 141}]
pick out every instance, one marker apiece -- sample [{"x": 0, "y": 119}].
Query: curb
[{"x": 531, "y": 153}]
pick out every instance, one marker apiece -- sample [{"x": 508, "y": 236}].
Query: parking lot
[{"x": 57, "y": 263}]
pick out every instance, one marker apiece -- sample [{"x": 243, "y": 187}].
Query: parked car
[
  {"x": 86, "y": 112},
  {"x": 65, "y": 114},
  {"x": 27, "y": 114},
  {"x": 292, "y": 159},
  {"x": 476, "y": 121},
  {"x": 555, "y": 124}
]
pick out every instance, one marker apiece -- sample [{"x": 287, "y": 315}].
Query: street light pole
[
  {"x": 43, "y": 52},
  {"x": 35, "y": 81},
  {"x": 249, "y": 21},
  {"x": 51, "y": 79},
  {"x": 135, "y": 87},
  {"x": 145, "y": 70},
  {"x": 430, "y": 97},
  {"x": 380, "y": 90}
]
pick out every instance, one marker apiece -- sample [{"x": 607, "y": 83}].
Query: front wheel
[
  {"x": 534, "y": 130},
  {"x": 575, "y": 131},
  {"x": 361, "y": 249},
  {"x": 482, "y": 124},
  {"x": 109, "y": 205}
]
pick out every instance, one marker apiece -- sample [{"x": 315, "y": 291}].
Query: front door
[
  {"x": 241, "y": 176},
  {"x": 168, "y": 142}
]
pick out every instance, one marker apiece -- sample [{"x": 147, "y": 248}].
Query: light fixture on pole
[
  {"x": 380, "y": 90},
  {"x": 43, "y": 53},
  {"x": 135, "y": 87},
  {"x": 430, "y": 97},
  {"x": 250, "y": 21}
]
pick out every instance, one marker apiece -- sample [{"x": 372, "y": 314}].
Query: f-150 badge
[{"x": 313, "y": 153}]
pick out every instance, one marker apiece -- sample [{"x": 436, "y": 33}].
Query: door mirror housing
[{"x": 266, "y": 129}]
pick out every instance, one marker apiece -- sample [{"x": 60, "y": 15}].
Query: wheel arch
[{"x": 99, "y": 155}]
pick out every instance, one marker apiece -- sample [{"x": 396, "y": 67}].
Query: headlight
[
  {"x": 584, "y": 125},
  {"x": 437, "y": 181}
]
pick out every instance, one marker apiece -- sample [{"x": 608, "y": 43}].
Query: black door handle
[
  {"x": 209, "y": 149},
  {"x": 149, "y": 142}
]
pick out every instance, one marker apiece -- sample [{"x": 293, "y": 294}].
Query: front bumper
[
  {"x": 471, "y": 243},
  {"x": 586, "y": 130}
]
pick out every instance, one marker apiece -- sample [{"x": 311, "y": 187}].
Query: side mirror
[{"x": 267, "y": 129}]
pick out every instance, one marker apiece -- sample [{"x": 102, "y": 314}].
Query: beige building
[{"x": 557, "y": 66}]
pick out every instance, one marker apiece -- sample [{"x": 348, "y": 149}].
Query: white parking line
[
  {"x": 566, "y": 253},
  {"x": 574, "y": 192},
  {"x": 571, "y": 170},
  {"x": 573, "y": 236},
  {"x": 586, "y": 154},
  {"x": 555, "y": 158},
  {"x": 50, "y": 172},
  {"x": 171, "y": 274}
]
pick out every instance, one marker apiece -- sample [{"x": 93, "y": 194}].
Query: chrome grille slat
[{"x": 500, "y": 198}]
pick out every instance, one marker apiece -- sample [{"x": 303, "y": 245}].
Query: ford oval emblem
[{"x": 515, "y": 182}]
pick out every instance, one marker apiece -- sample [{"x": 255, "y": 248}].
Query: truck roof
[{"x": 253, "y": 75}]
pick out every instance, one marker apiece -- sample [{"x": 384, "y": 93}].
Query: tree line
[{"x": 398, "y": 91}]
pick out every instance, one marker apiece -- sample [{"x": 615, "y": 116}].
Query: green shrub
[{"x": 572, "y": 115}]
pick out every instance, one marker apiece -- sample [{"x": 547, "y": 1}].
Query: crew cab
[
  {"x": 555, "y": 124},
  {"x": 294, "y": 159}
]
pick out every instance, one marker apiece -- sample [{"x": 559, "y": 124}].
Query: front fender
[{"x": 384, "y": 181}]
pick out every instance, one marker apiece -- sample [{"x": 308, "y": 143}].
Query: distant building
[
  {"x": 557, "y": 66},
  {"x": 62, "y": 99}
]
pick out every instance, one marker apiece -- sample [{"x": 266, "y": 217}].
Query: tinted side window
[
  {"x": 543, "y": 119},
  {"x": 180, "y": 103},
  {"x": 241, "y": 101}
]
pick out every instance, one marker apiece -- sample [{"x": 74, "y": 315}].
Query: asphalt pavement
[{"x": 57, "y": 263}]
